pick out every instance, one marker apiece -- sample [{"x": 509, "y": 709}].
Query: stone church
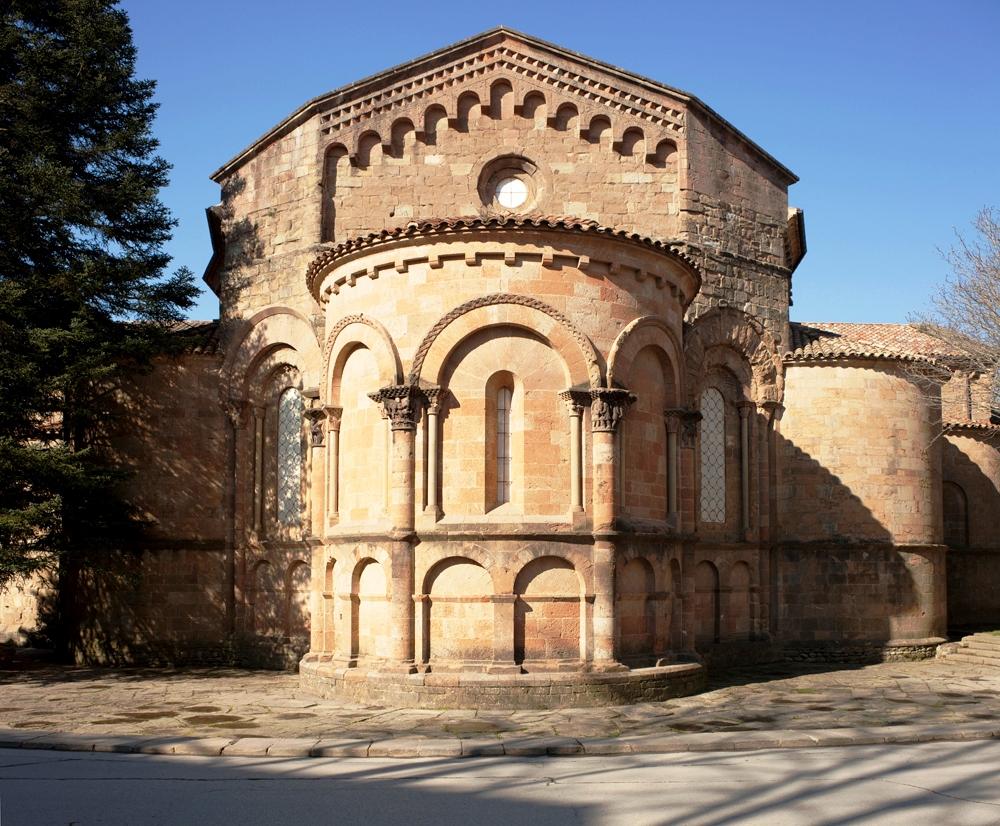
[{"x": 504, "y": 407}]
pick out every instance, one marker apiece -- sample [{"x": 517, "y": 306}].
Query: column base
[
  {"x": 607, "y": 667},
  {"x": 503, "y": 668},
  {"x": 398, "y": 668}
]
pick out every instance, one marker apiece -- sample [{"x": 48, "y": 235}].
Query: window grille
[
  {"x": 713, "y": 456},
  {"x": 504, "y": 398},
  {"x": 290, "y": 410}
]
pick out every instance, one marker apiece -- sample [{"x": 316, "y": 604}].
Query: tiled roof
[
  {"x": 820, "y": 341},
  {"x": 990, "y": 428},
  {"x": 457, "y": 225},
  {"x": 199, "y": 337}
]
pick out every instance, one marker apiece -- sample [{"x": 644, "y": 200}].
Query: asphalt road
[{"x": 946, "y": 784}]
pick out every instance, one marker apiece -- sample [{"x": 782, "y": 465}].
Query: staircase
[{"x": 975, "y": 649}]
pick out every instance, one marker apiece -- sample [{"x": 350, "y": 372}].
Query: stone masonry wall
[
  {"x": 972, "y": 461},
  {"x": 597, "y": 147}
]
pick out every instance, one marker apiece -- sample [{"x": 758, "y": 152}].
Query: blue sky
[{"x": 889, "y": 112}]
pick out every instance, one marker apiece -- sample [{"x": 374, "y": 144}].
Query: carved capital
[
  {"x": 316, "y": 416},
  {"x": 333, "y": 415},
  {"x": 434, "y": 396},
  {"x": 575, "y": 401},
  {"x": 685, "y": 422},
  {"x": 238, "y": 412},
  {"x": 772, "y": 410},
  {"x": 746, "y": 408},
  {"x": 607, "y": 408},
  {"x": 400, "y": 404}
]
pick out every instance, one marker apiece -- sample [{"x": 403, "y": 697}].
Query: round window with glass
[
  {"x": 510, "y": 193},
  {"x": 510, "y": 183}
]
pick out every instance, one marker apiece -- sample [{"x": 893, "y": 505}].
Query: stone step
[
  {"x": 980, "y": 650},
  {"x": 971, "y": 659},
  {"x": 985, "y": 640}
]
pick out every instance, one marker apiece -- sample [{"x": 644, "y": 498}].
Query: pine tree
[{"x": 85, "y": 296}]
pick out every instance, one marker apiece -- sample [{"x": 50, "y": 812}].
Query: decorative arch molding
[
  {"x": 640, "y": 333},
  {"x": 579, "y": 354},
  {"x": 267, "y": 332},
  {"x": 348, "y": 334},
  {"x": 281, "y": 365},
  {"x": 739, "y": 332}
]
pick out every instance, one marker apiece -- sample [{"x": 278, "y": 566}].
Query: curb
[{"x": 454, "y": 747}]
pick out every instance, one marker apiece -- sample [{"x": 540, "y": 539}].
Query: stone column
[
  {"x": 316, "y": 417},
  {"x": 433, "y": 396},
  {"x": 238, "y": 413},
  {"x": 575, "y": 401},
  {"x": 767, "y": 616},
  {"x": 745, "y": 409},
  {"x": 400, "y": 405},
  {"x": 503, "y": 635},
  {"x": 607, "y": 409},
  {"x": 333, "y": 415},
  {"x": 673, "y": 423},
  {"x": 257, "y": 491}
]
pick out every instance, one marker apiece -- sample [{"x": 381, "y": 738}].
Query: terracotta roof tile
[
  {"x": 200, "y": 337},
  {"x": 447, "y": 226},
  {"x": 813, "y": 341}
]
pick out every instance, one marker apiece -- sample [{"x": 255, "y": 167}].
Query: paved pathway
[
  {"x": 938, "y": 784},
  {"x": 234, "y": 703}
]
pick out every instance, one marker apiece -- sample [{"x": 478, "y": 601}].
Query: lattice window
[
  {"x": 504, "y": 398},
  {"x": 290, "y": 409},
  {"x": 713, "y": 456}
]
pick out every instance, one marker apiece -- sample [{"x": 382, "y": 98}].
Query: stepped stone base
[
  {"x": 974, "y": 649},
  {"x": 503, "y": 691}
]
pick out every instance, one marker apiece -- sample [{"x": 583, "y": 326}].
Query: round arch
[
  {"x": 501, "y": 309},
  {"x": 737, "y": 331},
  {"x": 638, "y": 334},
  {"x": 350, "y": 333},
  {"x": 270, "y": 330},
  {"x": 471, "y": 554}
]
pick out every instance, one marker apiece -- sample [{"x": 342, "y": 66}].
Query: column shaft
[
  {"x": 400, "y": 406},
  {"x": 745, "y": 467},
  {"x": 575, "y": 461},
  {"x": 607, "y": 410},
  {"x": 432, "y": 461}
]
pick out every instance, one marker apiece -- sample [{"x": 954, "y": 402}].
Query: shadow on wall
[
  {"x": 164, "y": 601},
  {"x": 973, "y": 535},
  {"x": 837, "y": 581}
]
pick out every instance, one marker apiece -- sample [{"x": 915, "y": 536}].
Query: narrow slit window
[{"x": 504, "y": 398}]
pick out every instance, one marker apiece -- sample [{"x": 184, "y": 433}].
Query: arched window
[
  {"x": 713, "y": 456},
  {"x": 504, "y": 398},
  {"x": 290, "y": 409}
]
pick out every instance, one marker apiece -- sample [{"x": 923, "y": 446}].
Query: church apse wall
[
  {"x": 506, "y": 408},
  {"x": 859, "y": 557}
]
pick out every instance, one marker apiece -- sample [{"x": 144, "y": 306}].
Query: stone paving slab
[
  {"x": 409, "y": 747},
  {"x": 256, "y": 713}
]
